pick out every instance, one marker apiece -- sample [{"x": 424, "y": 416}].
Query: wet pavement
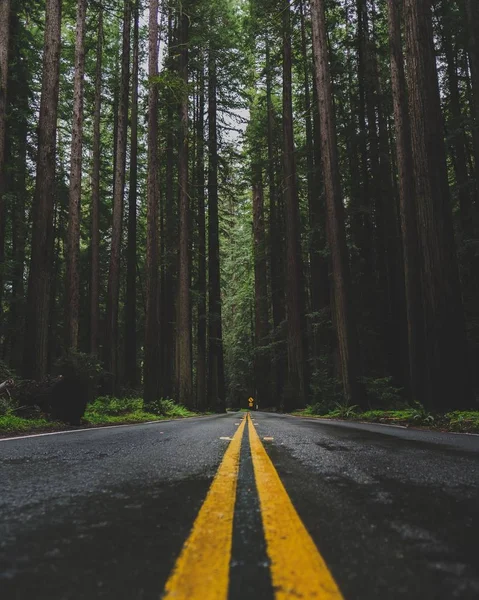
[{"x": 104, "y": 513}]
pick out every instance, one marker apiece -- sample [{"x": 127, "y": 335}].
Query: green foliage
[
  {"x": 420, "y": 415},
  {"x": 7, "y": 405},
  {"x": 10, "y": 423},
  {"x": 108, "y": 406},
  {"x": 168, "y": 408},
  {"x": 461, "y": 420},
  {"x": 381, "y": 392}
]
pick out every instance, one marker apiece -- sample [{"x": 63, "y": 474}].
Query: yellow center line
[
  {"x": 202, "y": 569},
  {"x": 297, "y": 568}
]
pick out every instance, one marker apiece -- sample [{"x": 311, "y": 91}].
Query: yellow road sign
[{"x": 251, "y": 402}]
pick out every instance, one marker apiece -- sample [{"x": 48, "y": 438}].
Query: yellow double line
[{"x": 297, "y": 568}]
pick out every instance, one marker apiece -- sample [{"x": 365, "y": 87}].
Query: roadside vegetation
[
  {"x": 72, "y": 396},
  {"x": 103, "y": 411},
  {"x": 389, "y": 407}
]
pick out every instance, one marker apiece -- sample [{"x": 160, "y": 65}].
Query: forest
[{"x": 207, "y": 200}]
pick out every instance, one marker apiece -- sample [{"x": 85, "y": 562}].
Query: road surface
[{"x": 196, "y": 509}]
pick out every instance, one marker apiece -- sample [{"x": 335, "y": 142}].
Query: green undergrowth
[
  {"x": 13, "y": 424},
  {"x": 103, "y": 411},
  {"x": 415, "y": 416}
]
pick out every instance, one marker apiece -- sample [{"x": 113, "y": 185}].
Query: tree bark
[
  {"x": 202, "y": 291},
  {"x": 216, "y": 382},
  {"x": 4, "y": 52},
  {"x": 38, "y": 303},
  {"x": 113, "y": 293},
  {"x": 297, "y": 392},
  {"x": 151, "y": 361},
  {"x": 95, "y": 195},
  {"x": 261, "y": 359},
  {"x": 185, "y": 374},
  {"x": 131, "y": 367},
  {"x": 72, "y": 296},
  {"x": 447, "y": 375},
  {"x": 344, "y": 319},
  {"x": 472, "y": 12},
  {"x": 458, "y": 135},
  {"x": 409, "y": 231},
  {"x": 275, "y": 236}
]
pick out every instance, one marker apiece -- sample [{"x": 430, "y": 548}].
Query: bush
[
  {"x": 7, "y": 405},
  {"x": 382, "y": 393},
  {"x": 109, "y": 406},
  {"x": 167, "y": 408}
]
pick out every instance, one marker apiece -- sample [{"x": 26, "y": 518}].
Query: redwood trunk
[
  {"x": 95, "y": 196},
  {"x": 200, "y": 179},
  {"x": 72, "y": 295},
  {"x": 151, "y": 366},
  {"x": 344, "y": 320},
  {"x": 297, "y": 355},
  {"x": 4, "y": 51},
  {"x": 131, "y": 369},
  {"x": 113, "y": 293},
  {"x": 216, "y": 383},
  {"x": 447, "y": 376},
  {"x": 261, "y": 358},
  {"x": 185, "y": 380},
  {"x": 38, "y": 303}
]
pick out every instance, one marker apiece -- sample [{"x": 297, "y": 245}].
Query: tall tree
[
  {"x": 131, "y": 368},
  {"x": 297, "y": 349},
  {"x": 38, "y": 302},
  {"x": 185, "y": 374},
  {"x": 275, "y": 229},
  {"x": 72, "y": 296},
  {"x": 95, "y": 193},
  {"x": 343, "y": 315},
  {"x": 200, "y": 198},
  {"x": 446, "y": 373},
  {"x": 216, "y": 382},
  {"x": 472, "y": 12},
  {"x": 408, "y": 218},
  {"x": 4, "y": 50},
  {"x": 262, "y": 380},
  {"x": 113, "y": 293},
  {"x": 150, "y": 374}
]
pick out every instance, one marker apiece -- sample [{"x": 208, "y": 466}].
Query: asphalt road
[{"x": 106, "y": 513}]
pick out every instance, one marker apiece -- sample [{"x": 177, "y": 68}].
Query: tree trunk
[
  {"x": 151, "y": 362},
  {"x": 38, "y": 303},
  {"x": 447, "y": 376},
  {"x": 409, "y": 231},
  {"x": 95, "y": 195},
  {"x": 216, "y": 382},
  {"x": 261, "y": 358},
  {"x": 344, "y": 320},
  {"x": 131, "y": 368},
  {"x": 275, "y": 237},
  {"x": 458, "y": 135},
  {"x": 113, "y": 293},
  {"x": 200, "y": 180},
  {"x": 4, "y": 52},
  {"x": 17, "y": 305},
  {"x": 169, "y": 241},
  {"x": 184, "y": 300},
  {"x": 72, "y": 296},
  {"x": 472, "y": 11},
  {"x": 314, "y": 193},
  {"x": 297, "y": 345}
]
